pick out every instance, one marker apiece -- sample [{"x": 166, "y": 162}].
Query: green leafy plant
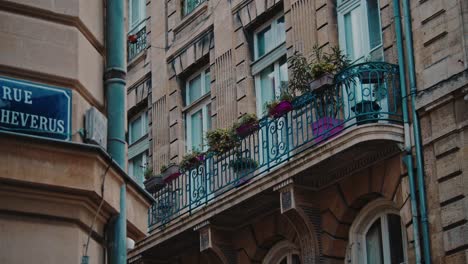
[
  {"x": 191, "y": 160},
  {"x": 243, "y": 163},
  {"x": 148, "y": 172},
  {"x": 249, "y": 118},
  {"x": 304, "y": 71},
  {"x": 221, "y": 140}
]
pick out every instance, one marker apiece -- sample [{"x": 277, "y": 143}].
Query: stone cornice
[{"x": 53, "y": 17}]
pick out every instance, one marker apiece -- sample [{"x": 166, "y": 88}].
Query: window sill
[
  {"x": 268, "y": 58},
  {"x": 138, "y": 140},
  {"x": 197, "y": 102},
  {"x": 190, "y": 17}
]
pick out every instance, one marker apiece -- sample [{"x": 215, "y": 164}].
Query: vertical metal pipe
[
  {"x": 114, "y": 80},
  {"x": 407, "y": 159},
  {"x": 416, "y": 133}
]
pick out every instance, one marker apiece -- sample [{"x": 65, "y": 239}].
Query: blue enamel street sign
[{"x": 37, "y": 109}]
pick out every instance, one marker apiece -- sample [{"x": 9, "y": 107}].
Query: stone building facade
[
  {"x": 342, "y": 199},
  {"x": 58, "y": 193}
]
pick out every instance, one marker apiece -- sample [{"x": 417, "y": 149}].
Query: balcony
[
  {"x": 327, "y": 133},
  {"x": 136, "y": 42}
]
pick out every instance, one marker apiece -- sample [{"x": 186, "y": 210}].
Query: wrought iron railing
[
  {"x": 362, "y": 94},
  {"x": 136, "y": 42}
]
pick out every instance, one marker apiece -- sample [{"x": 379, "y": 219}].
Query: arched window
[
  {"x": 283, "y": 252},
  {"x": 377, "y": 236}
]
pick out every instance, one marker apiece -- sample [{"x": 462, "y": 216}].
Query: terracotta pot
[{"x": 282, "y": 108}]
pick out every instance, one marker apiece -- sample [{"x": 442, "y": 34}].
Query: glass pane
[
  {"x": 296, "y": 259},
  {"x": 267, "y": 86},
  {"x": 208, "y": 117},
  {"x": 281, "y": 32},
  {"x": 283, "y": 68},
  {"x": 138, "y": 168},
  {"x": 135, "y": 130},
  {"x": 284, "y": 261},
  {"x": 196, "y": 130},
  {"x": 194, "y": 91},
  {"x": 349, "y": 36},
  {"x": 353, "y": 35},
  {"x": 374, "y": 244},
  {"x": 207, "y": 80},
  {"x": 135, "y": 12},
  {"x": 396, "y": 240},
  {"x": 374, "y": 24},
  {"x": 263, "y": 41}
]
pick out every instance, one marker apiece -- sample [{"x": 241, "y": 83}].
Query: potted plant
[
  {"x": 367, "y": 111},
  {"x": 281, "y": 106},
  {"x": 319, "y": 72},
  {"x": 152, "y": 183},
  {"x": 246, "y": 125},
  {"x": 192, "y": 160},
  {"x": 244, "y": 168},
  {"x": 170, "y": 172},
  {"x": 221, "y": 140}
]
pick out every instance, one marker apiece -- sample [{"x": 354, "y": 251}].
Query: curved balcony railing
[{"x": 362, "y": 94}]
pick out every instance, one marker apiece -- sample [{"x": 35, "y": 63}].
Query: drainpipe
[
  {"x": 114, "y": 79},
  {"x": 407, "y": 159},
  {"x": 416, "y": 133}
]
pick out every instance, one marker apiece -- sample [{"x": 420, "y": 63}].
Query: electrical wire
[{"x": 98, "y": 210}]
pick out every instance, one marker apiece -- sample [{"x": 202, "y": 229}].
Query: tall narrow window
[
  {"x": 138, "y": 127},
  {"x": 360, "y": 30},
  {"x": 269, "y": 36},
  {"x": 136, "y": 13},
  {"x": 198, "y": 114}
]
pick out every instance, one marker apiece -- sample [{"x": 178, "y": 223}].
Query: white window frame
[
  {"x": 258, "y": 88},
  {"x": 144, "y": 126},
  {"x": 200, "y": 103},
  {"x": 380, "y": 208},
  {"x": 138, "y": 24},
  {"x": 345, "y": 7},
  {"x": 144, "y": 165},
  {"x": 274, "y": 28},
  {"x": 281, "y": 250}
]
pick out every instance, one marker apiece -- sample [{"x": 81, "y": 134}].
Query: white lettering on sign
[{"x": 17, "y": 95}]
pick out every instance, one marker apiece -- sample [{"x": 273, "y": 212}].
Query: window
[
  {"x": 137, "y": 166},
  {"x": 283, "y": 252},
  {"x": 190, "y": 5},
  {"x": 360, "y": 29},
  {"x": 138, "y": 127},
  {"x": 269, "y": 36},
  {"x": 377, "y": 236},
  {"x": 136, "y": 13},
  {"x": 269, "y": 83},
  {"x": 198, "y": 115}
]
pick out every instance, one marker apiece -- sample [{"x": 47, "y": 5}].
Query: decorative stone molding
[{"x": 206, "y": 241}]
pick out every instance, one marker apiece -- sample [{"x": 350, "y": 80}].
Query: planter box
[
  {"x": 282, "y": 108},
  {"x": 321, "y": 83},
  {"x": 247, "y": 129},
  {"x": 366, "y": 112},
  {"x": 326, "y": 128},
  {"x": 154, "y": 184},
  {"x": 243, "y": 177},
  {"x": 171, "y": 173},
  {"x": 194, "y": 162}
]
